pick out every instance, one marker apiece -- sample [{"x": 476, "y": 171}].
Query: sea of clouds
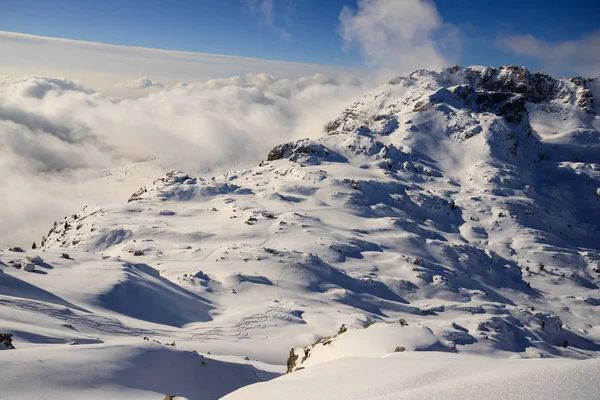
[{"x": 63, "y": 146}]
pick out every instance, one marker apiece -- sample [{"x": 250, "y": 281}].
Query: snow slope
[
  {"x": 100, "y": 371},
  {"x": 433, "y": 376},
  {"x": 90, "y": 327},
  {"x": 463, "y": 202}
]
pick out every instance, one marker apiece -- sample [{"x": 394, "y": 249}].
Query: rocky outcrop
[
  {"x": 535, "y": 87},
  {"x": 6, "y": 341},
  {"x": 304, "y": 150},
  {"x": 173, "y": 178}
]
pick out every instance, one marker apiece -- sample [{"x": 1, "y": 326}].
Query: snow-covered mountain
[{"x": 463, "y": 203}]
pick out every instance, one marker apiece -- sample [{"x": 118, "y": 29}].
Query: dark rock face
[
  {"x": 585, "y": 100},
  {"x": 536, "y": 87},
  {"x": 291, "y": 361},
  {"x": 511, "y": 106},
  {"x": 278, "y": 152},
  {"x": 287, "y": 150},
  {"x": 513, "y": 109},
  {"x": 6, "y": 341},
  {"x": 308, "y": 150}
]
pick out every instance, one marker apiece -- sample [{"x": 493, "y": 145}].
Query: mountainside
[{"x": 463, "y": 203}]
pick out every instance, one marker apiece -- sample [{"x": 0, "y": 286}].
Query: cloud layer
[
  {"x": 101, "y": 66},
  {"x": 62, "y": 146}
]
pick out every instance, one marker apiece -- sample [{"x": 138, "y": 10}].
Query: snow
[
  {"x": 433, "y": 376},
  {"x": 440, "y": 224},
  {"x": 100, "y": 371},
  {"x": 377, "y": 340}
]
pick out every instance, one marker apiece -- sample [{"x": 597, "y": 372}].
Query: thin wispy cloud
[
  {"x": 267, "y": 11},
  {"x": 569, "y": 57}
]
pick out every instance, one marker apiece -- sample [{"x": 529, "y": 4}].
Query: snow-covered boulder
[
  {"x": 37, "y": 260},
  {"x": 28, "y": 267}
]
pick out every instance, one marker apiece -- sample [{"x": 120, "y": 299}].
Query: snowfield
[
  {"x": 442, "y": 234},
  {"x": 433, "y": 376}
]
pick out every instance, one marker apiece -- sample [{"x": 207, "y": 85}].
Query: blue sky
[
  {"x": 230, "y": 26},
  {"x": 307, "y": 31}
]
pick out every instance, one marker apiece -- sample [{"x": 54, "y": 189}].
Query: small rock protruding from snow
[
  {"x": 28, "y": 267},
  {"x": 6, "y": 341},
  {"x": 35, "y": 260}
]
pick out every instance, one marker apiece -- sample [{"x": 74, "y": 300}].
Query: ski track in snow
[
  {"x": 242, "y": 329},
  {"x": 95, "y": 323}
]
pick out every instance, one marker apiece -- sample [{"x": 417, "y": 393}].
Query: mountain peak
[{"x": 463, "y": 201}]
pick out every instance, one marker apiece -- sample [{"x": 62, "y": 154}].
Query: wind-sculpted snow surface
[{"x": 458, "y": 210}]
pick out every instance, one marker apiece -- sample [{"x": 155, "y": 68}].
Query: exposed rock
[
  {"x": 173, "y": 178},
  {"x": 291, "y": 361},
  {"x": 6, "y": 341},
  {"x": 35, "y": 260},
  {"x": 306, "y": 150},
  {"x": 28, "y": 267}
]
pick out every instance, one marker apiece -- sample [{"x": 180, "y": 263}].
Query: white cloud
[
  {"x": 568, "y": 57},
  {"x": 63, "y": 146},
  {"x": 101, "y": 66},
  {"x": 400, "y": 36},
  {"x": 140, "y": 83},
  {"x": 269, "y": 84},
  {"x": 266, "y": 9}
]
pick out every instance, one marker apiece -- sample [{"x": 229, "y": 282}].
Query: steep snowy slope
[{"x": 464, "y": 202}]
